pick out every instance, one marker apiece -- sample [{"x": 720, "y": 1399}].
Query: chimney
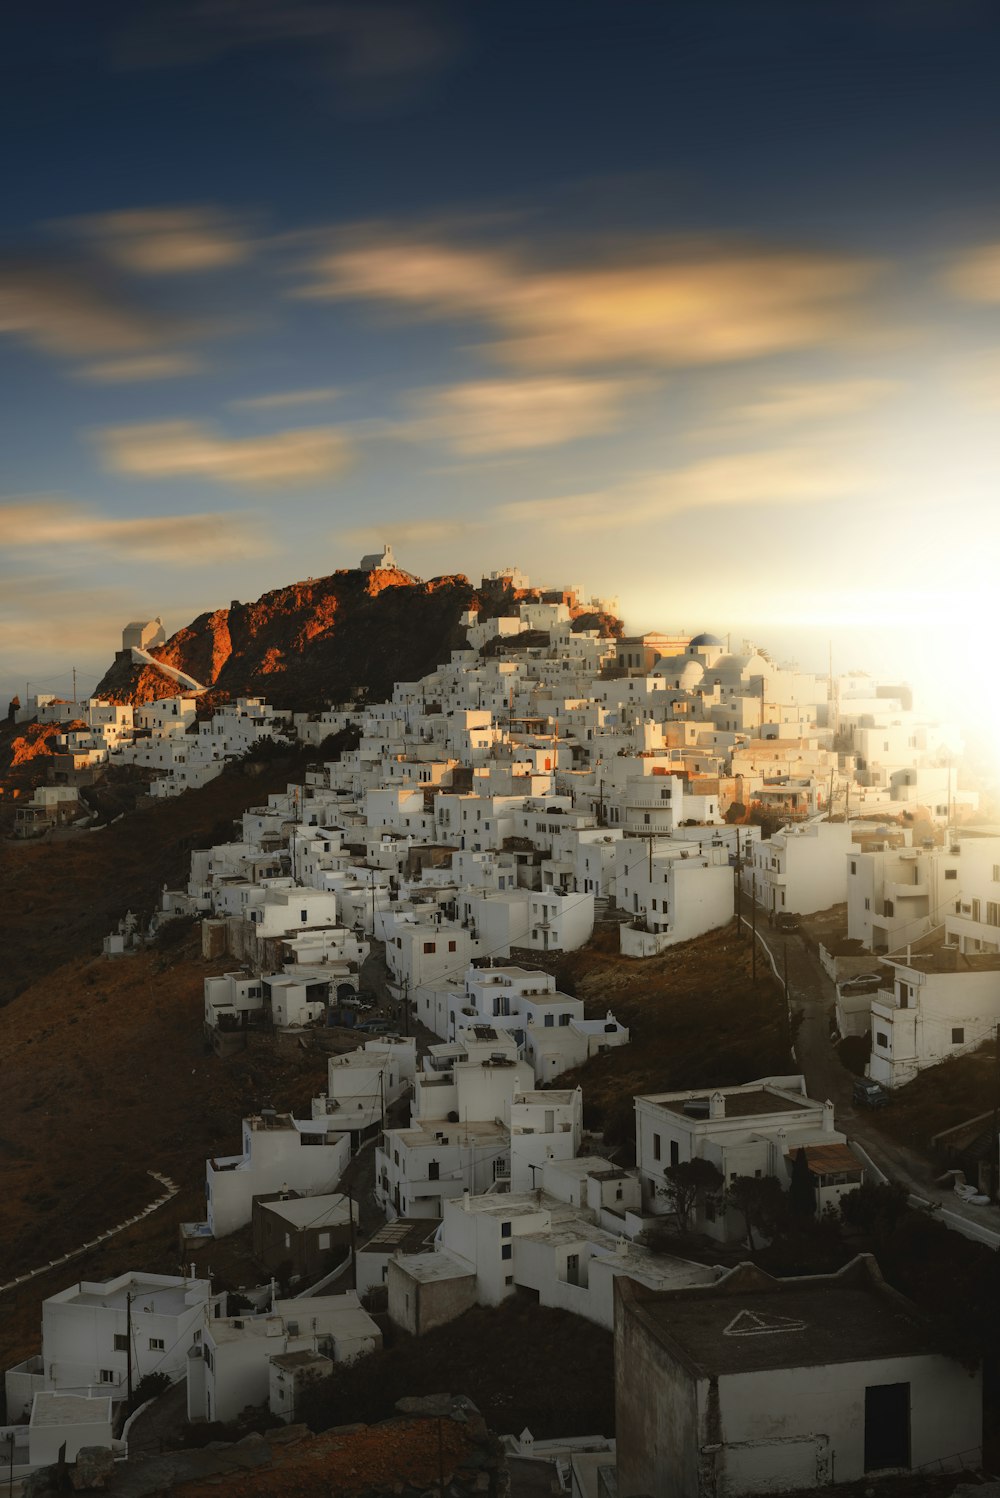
[
  {"x": 828, "y": 1117},
  {"x": 717, "y": 1106}
]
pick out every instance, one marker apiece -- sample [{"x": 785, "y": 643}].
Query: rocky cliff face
[{"x": 310, "y": 643}]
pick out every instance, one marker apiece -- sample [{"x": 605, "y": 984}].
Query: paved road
[{"x": 812, "y": 992}]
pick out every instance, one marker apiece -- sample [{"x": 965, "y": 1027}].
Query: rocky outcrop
[{"x": 311, "y": 643}]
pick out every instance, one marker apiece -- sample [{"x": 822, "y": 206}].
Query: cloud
[
  {"x": 814, "y": 401},
  {"x": 661, "y": 304},
  {"x": 66, "y": 313},
  {"x": 491, "y": 416},
  {"x": 166, "y": 241},
  {"x": 190, "y": 449},
  {"x": 40, "y": 524},
  {"x": 975, "y": 277},
  {"x": 164, "y": 366},
  {"x": 412, "y": 533},
  {"x": 321, "y": 395},
  {"x": 764, "y": 478},
  {"x": 376, "y": 52}
]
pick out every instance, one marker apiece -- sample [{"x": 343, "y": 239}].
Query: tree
[
  {"x": 760, "y": 1201},
  {"x": 685, "y": 1182},
  {"x": 802, "y": 1186}
]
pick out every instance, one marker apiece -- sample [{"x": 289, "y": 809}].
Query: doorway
[{"x": 887, "y": 1426}]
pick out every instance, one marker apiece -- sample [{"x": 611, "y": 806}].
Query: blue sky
[{"x": 696, "y": 304}]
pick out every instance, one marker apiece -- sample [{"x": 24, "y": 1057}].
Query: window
[
  {"x": 506, "y": 1250},
  {"x": 996, "y": 873},
  {"x": 888, "y": 908},
  {"x": 453, "y": 946},
  {"x": 434, "y": 1170},
  {"x": 550, "y": 1020},
  {"x": 881, "y": 1040},
  {"x": 505, "y": 1230},
  {"x": 121, "y": 1342},
  {"x": 958, "y": 1036},
  {"x": 429, "y": 946},
  {"x": 508, "y": 1279},
  {"x": 324, "y": 1241},
  {"x": 975, "y": 910},
  {"x": 305, "y": 915},
  {"x": 656, "y": 1146},
  {"x": 107, "y": 1376},
  {"x": 951, "y": 873},
  {"x": 675, "y": 1152},
  {"x": 992, "y": 913},
  {"x": 564, "y": 1019},
  {"x": 868, "y": 903}
]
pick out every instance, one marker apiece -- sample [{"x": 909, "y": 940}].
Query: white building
[
  {"x": 229, "y": 1370},
  {"x": 800, "y": 869},
  {"x": 941, "y": 1004},
  {"x": 278, "y": 1152},
  {"x": 87, "y": 1331},
  {"x": 760, "y": 1385},
  {"x": 753, "y": 1130},
  {"x": 673, "y": 892}
]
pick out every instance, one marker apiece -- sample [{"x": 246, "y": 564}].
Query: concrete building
[
  {"x": 753, "y": 1130},
  {"x": 760, "y": 1385},
  {"x": 306, "y": 1235},
  {"x": 942, "y": 1002},
  {"x": 800, "y": 869},
  {"x": 88, "y": 1328},
  {"x": 279, "y": 1153}
]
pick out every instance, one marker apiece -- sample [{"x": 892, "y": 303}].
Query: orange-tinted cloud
[
  {"x": 491, "y": 416},
  {"x": 780, "y": 477},
  {"x": 662, "y": 304},
  {"x": 166, "y": 241},
  {"x": 975, "y": 277},
  {"x": 191, "y": 449},
  {"x": 45, "y": 523}
]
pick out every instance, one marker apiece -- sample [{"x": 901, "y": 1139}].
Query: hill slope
[{"x": 310, "y": 643}]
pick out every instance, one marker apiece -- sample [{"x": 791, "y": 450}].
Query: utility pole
[
  {"x": 74, "y": 686},
  {"x": 739, "y": 888},
  {"x": 354, "y": 1258},
  {"x": 785, "y": 965},
  {"x": 128, "y": 1339},
  {"x": 753, "y": 933}
]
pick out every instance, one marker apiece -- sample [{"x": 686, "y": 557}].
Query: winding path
[{"x": 170, "y": 1190}]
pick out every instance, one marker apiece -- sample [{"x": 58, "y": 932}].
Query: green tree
[
  {"x": 684, "y": 1183},
  {"x": 802, "y": 1186},
  {"x": 761, "y": 1203}
]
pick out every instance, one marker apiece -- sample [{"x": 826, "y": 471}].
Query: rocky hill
[
  {"x": 321, "y": 641},
  {"x": 311, "y": 643}
]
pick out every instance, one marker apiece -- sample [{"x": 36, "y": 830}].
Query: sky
[{"x": 695, "y": 304}]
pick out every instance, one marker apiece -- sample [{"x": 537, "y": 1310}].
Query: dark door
[{"x": 887, "y": 1426}]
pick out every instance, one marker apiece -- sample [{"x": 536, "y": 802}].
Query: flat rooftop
[
  {"x": 313, "y": 1211},
  {"x": 748, "y": 1322},
  {"x": 50, "y": 1408},
  {"x": 425, "y": 1134},
  {"x": 743, "y": 1104},
  {"x": 431, "y": 1267},
  {"x": 405, "y": 1236},
  {"x": 147, "y": 1296}
]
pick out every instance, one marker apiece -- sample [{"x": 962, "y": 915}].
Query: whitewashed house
[
  {"x": 760, "y": 1385},
  {"x": 88, "y": 1328},
  {"x": 941, "y": 1004},
  {"x": 278, "y": 1152},
  {"x": 229, "y": 1370},
  {"x": 800, "y": 869},
  {"x": 753, "y": 1130}
]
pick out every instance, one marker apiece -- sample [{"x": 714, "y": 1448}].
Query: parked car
[
  {"x": 869, "y": 1094},
  {"x": 786, "y": 920},
  {"x": 861, "y": 983},
  {"x": 375, "y": 1027}
]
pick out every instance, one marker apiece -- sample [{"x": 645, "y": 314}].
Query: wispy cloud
[
  {"x": 975, "y": 277},
  {"x": 43, "y": 523},
  {"x": 374, "y": 52},
  {"x": 166, "y": 241},
  {"x": 321, "y": 395},
  {"x": 411, "y": 533},
  {"x": 145, "y": 367},
  {"x": 191, "y": 449},
  {"x": 810, "y": 402},
  {"x": 763, "y": 478},
  {"x": 659, "y": 303},
  {"x": 62, "y": 311},
  {"x": 493, "y": 416}
]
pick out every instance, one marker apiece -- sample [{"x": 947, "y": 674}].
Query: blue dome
[{"x": 706, "y": 640}]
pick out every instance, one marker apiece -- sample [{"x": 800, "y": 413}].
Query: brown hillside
[
  {"x": 311, "y": 643},
  {"x": 105, "y": 1077},
  {"x": 59, "y": 898}
]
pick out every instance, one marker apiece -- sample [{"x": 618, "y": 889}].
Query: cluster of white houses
[{"x": 544, "y": 778}]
